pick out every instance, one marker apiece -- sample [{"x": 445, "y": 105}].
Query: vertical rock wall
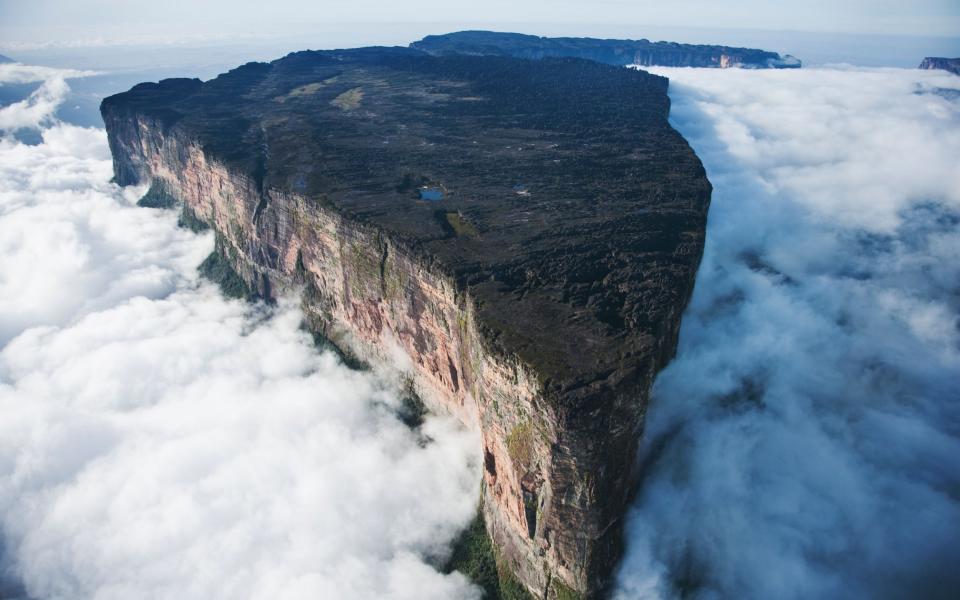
[{"x": 555, "y": 479}]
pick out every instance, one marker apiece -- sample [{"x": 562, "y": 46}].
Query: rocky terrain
[
  {"x": 938, "y": 62},
  {"x": 520, "y": 237},
  {"x": 613, "y": 52}
]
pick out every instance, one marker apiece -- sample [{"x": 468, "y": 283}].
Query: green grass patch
[
  {"x": 563, "y": 591},
  {"x": 189, "y": 220},
  {"x": 323, "y": 343},
  {"x": 461, "y": 226},
  {"x": 218, "y": 269},
  {"x": 412, "y": 410},
  {"x": 474, "y": 556},
  {"x": 305, "y": 90},
  {"x": 349, "y": 100},
  {"x": 520, "y": 446},
  {"x": 158, "y": 196}
]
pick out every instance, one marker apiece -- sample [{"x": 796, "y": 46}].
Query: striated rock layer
[
  {"x": 613, "y": 52},
  {"x": 520, "y": 236}
]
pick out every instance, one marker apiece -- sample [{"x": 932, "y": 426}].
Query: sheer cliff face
[
  {"x": 613, "y": 52},
  {"x": 536, "y": 300}
]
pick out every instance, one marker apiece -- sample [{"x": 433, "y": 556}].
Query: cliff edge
[
  {"x": 525, "y": 233},
  {"x": 938, "y": 62},
  {"x": 612, "y": 52}
]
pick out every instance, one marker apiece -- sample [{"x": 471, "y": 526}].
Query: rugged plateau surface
[
  {"x": 938, "y": 62},
  {"x": 520, "y": 236},
  {"x": 613, "y": 52}
]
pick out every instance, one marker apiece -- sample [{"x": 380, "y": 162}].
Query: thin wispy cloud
[
  {"x": 39, "y": 108},
  {"x": 160, "y": 441},
  {"x": 20, "y": 73}
]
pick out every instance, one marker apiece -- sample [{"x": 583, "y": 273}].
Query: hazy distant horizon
[
  {"x": 813, "y": 48},
  {"x": 122, "y": 65},
  {"x": 161, "y": 440},
  {"x": 70, "y": 19}
]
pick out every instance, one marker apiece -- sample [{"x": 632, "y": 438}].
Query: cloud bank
[
  {"x": 38, "y": 109},
  {"x": 159, "y": 441},
  {"x": 19, "y": 73},
  {"x": 805, "y": 441}
]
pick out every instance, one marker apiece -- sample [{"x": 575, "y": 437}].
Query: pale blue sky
[{"x": 87, "y": 22}]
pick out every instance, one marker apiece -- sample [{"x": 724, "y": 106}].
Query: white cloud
[
  {"x": 20, "y": 73},
  {"x": 66, "y": 245},
  {"x": 804, "y": 441},
  {"x": 38, "y": 109},
  {"x": 159, "y": 441},
  {"x": 191, "y": 447}
]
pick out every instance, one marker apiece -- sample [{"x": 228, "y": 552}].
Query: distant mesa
[
  {"x": 5, "y": 59},
  {"x": 945, "y": 64},
  {"x": 614, "y": 52}
]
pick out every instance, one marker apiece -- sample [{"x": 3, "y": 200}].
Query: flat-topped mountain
[
  {"x": 614, "y": 52},
  {"x": 549, "y": 172},
  {"x": 525, "y": 232},
  {"x": 938, "y": 62}
]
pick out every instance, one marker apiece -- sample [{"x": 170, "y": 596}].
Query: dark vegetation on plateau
[
  {"x": 474, "y": 556},
  {"x": 569, "y": 204}
]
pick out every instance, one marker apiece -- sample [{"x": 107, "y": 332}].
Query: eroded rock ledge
[{"x": 524, "y": 235}]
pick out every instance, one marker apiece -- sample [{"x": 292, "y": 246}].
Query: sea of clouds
[
  {"x": 159, "y": 441},
  {"x": 805, "y": 443}
]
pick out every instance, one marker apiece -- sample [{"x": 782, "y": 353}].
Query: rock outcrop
[
  {"x": 613, "y": 52},
  {"x": 521, "y": 236},
  {"x": 938, "y": 62}
]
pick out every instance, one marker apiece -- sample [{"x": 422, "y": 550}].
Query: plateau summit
[{"x": 523, "y": 233}]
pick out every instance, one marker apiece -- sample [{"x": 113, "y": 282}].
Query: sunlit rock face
[{"x": 533, "y": 292}]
